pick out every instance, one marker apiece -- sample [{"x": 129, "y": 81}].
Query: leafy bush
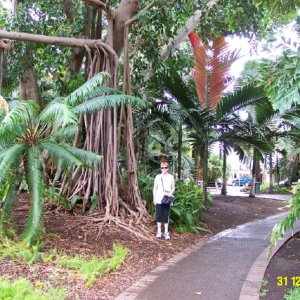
[
  {"x": 146, "y": 183},
  {"x": 23, "y": 289},
  {"x": 264, "y": 187},
  {"x": 289, "y": 221},
  {"x": 293, "y": 294},
  {"x": 187, "y": 211}
]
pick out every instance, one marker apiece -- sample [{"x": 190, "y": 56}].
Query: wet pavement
[
  {"x": 216, "y": 269},
  {"x": 237, "y": 191}
]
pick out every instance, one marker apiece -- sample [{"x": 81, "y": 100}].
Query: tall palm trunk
[
  {"x": 205, "y": 171},
  {"x": 224, "y": 188},
  {"x": 254, "y": 164},
  {"x": 179, "y": 150},
  {"x": 271, "y": 188}
]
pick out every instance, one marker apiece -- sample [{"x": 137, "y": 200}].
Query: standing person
[{"x": 164, "y": 184}]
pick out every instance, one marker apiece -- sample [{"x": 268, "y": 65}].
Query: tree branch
[
  {"x": 191, "y": 24},
  {"x": 6, "y": 45},
  {"x": 97, "y": 3},
  {"x": 63, "y": 41},
  {"x": 135, "y": 18}
]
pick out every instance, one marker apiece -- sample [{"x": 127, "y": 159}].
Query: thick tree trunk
[{"x": 29, "y": 89}]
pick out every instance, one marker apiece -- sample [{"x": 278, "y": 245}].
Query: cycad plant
[{"x": 28, "y": 135}]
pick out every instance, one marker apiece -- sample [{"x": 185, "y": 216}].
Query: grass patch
[
  {"x": 91, "y": 268},
  {"x": 23, "y": 289},
  {"x": 293, "y": 294},
  {"x": 19, "y": 252}
]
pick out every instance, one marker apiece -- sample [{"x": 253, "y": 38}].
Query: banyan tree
[{"x": 108, "y": 129}]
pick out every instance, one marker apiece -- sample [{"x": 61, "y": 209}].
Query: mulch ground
[
  {"x": 74, "y": 234},
  {"x": 283, "y": 272}
]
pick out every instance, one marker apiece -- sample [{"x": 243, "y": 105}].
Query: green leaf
[
  {"x": 35, "y": 181},
  {"x": 96, "y": 104}
]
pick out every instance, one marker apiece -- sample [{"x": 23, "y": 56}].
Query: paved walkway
[{"x": 214, "y": 269}]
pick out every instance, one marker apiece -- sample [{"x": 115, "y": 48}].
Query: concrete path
[{"x": 215, "y": 269}]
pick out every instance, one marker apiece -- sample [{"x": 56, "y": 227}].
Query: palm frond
[
  {"x": 239, "y": 99},
  {"x": 35, "y": 181},
  {"x": 10, "y": 160},
  {"x": 90, "y": 158},
  {"x": 98, "y": 103},
  {"x": 20, "y": 111},
  {"x": 57, "y": 115},
  {"x": 103, "y": 90},
  {"x": 220, "y": 65},
  {"x": 200, "y": 67},
  {"x": 62, "y": 155},
  {"x": 84, "y": 91},
  {"x": 9, "y": 204},
  {"x": 65, "y": 134}
]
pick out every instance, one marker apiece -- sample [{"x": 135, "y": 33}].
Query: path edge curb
[{"x": 253, "y": 282}]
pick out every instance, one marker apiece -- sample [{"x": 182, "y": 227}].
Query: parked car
[
  {"x": 285, "y": 182},
  {"x": 242, "y": 181}
]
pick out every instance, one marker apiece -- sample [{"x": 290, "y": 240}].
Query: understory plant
[
  {"x": 187, "y": 212},
  {"x": 29, "y": 138},
  {"x": 289, "y": 221},
  {"x": 23, "y": 289},
  {"x": 293, "y": 294},
  {"x": 91, "y": 268}
]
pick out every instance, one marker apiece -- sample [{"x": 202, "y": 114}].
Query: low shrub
[{"x": 187, "y": 212}]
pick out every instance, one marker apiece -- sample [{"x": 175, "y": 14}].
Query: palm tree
[
  {"x": 26, "y": 134},
  {"x": 266, "y": 123},
  {"x": 211, "y": 69}
]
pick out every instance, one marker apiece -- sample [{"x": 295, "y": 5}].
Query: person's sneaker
[
  {"x": 158, "y": 235},
  {"x": 167, "y": 236}
]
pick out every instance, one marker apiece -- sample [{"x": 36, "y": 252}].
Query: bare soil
[{"x": 75, "y": 233}]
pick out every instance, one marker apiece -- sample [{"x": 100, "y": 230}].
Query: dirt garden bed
[{"x": 73, "y": 234}]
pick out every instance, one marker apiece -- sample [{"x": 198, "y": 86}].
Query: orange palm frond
[
  {"x": 200, "y": 68},
  {"x": 220, "y": 65},
  {"x": 212, "y": 65}
]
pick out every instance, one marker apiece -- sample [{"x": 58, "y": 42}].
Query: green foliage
[
  {"x": 280, "y": 75},
  {"x": 293, "y": 294},
  {"x": 25, "y": 133},
  {"x": 53, "y": 197},
  {"x": 146, "y": 183},
  {"x": 23, "y": 289},
  {"x": 276, "y": 189},
  {"x": 19, "y": 251},
  {"x": 289, "y": 221},
  {"x": 91, "y": 268},
  {"x": 188, "y": 209},
  {"x": 214, "y": 167}
]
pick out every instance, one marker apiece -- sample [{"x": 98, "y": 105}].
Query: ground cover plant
[
  {"x": 293, "y": 294},
  {"x": 94, "y": 267},
  {"x": 23, "y": 289}
]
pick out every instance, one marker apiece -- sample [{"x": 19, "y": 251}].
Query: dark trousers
[{"x": 162, "y": 212}]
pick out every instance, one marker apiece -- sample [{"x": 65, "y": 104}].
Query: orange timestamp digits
[{"x": 285, "y": 280}]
